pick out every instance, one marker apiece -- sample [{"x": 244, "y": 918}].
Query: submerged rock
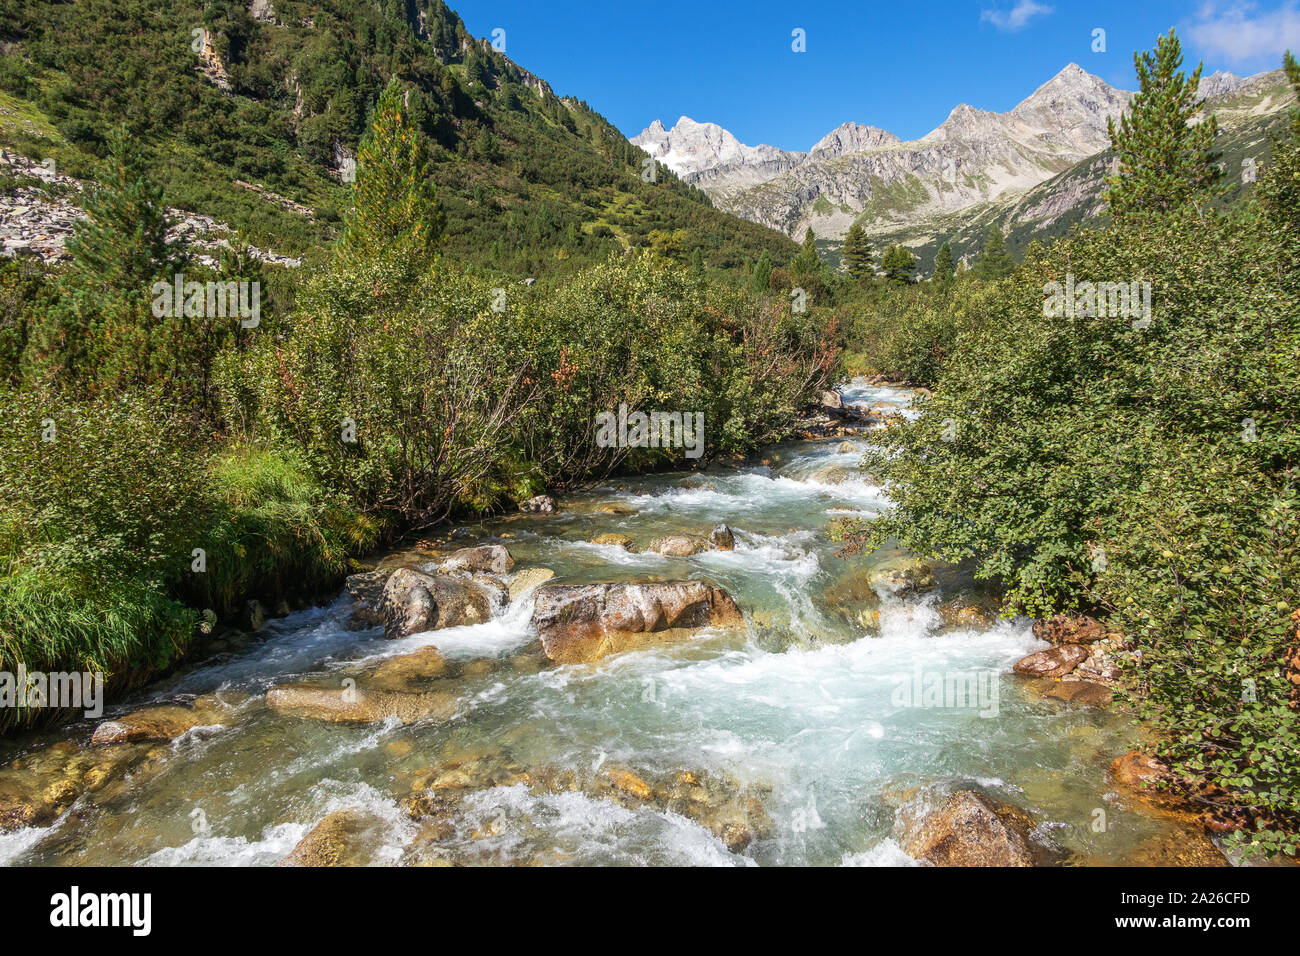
[
  {"x": 335, "y": 841},
  {"x": 971, "y": 829},
  {"x": 166, "y": 722},
  {"x": 415, "y": 602},
  {"x": 962, "y": 615},
  {"x": 903, "y": 576},
  {"x": 1054, "y": 662},
  {"x": 610, "y": 537},
  {"x": 359, "y": 705},
  {"x": 401, "y": 673},
  {"x": 1081, "y": 693},
  {"x": 587, "y": 621}
]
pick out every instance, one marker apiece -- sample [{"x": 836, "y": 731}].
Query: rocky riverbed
[{"x": 675, "y": 669}]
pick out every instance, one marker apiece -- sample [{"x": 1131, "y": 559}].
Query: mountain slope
[
  {"x": 254, "y": 123},
  {"x": 1247, "y": 112}
]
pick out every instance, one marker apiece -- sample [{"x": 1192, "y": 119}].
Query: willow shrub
[
  {"x": 1142, "y": 472},
  {"x": 106, "y": 502}
]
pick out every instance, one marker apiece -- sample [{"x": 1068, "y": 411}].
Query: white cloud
[
  {"x": 1016, "y": 17},
  {"x": 1238, "y": 32}
]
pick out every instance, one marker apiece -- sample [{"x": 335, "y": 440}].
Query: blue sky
[{"x": 901, "y": 65}]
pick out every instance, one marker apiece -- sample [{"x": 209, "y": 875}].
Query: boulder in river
[
  {"x": 831, "y": 400},
  {"x": 679, "y": 545},
  {"x": 1053, "y": 662},
  {"x": 415, "y": 602},
  {"x": 484, "y": 559},
  {"x": 538, "y": 505},
  {"x": 614, "y": 538},
  {"x": 526, "y": 580},
  {"x": 902, "y": 576},
  {"x": 336, "y": 841},
  {"x": 970, "y": 829},
  {"x": 583, "y": 622},
  {"x": 722, "y": 538},
  {"x": 166, "y": 722}
]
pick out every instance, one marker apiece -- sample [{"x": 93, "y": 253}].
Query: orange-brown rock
[
  {"x": 1053, "y": 662},
  {"x": 971, "y": 829},
  {"x": 587, "y": 621}
]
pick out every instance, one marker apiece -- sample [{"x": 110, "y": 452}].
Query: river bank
[{"x": 804, "y": 737}]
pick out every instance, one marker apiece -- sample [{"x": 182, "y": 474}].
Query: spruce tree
[
  {"x": 944, "y": 264},
  {"x": 994, "y": 261},
  {"x": 1164, "y": 160},
  {"x": 395, "y": 212},
  {"x": 856, "y": 254}
]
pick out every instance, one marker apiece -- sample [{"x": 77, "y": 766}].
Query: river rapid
[{"x": 812, "y": 730}]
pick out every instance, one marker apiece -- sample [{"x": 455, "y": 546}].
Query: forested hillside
[{"x": 232, "y": 100}]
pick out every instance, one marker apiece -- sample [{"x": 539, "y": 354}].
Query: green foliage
[
  {"x": 898, "y": 264},
  {"x": 1164, "y": 158},
  {"x": 856, "y": 254},
  {"x": 395, "y": 211},
  {"x": 1142, "y": 472},
  {"x": 994, "y": 261},
  {"x": 945, "y": 267}
]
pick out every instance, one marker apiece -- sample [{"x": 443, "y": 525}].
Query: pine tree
[
  {"x": 944, "y": 265},
  {"x": 994, "y": 261},
  {"x": 121, "y": 245},
  {"x": 395, "y": 212},
  {"x": 898, "y": 264},
  {"x": 856, "y": 254},
  {"x": 1164, "y": 161},
  {"x": 102, "y": 335}
]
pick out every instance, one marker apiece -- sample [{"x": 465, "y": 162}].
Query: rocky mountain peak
[{"x": 852, "y": 138}]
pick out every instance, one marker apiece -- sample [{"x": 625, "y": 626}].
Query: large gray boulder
[{"x": 413, "y": 602}]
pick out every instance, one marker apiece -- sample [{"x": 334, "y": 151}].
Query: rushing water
[{"x": 800, "y": 718}]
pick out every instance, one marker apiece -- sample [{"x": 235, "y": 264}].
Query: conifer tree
[
  {"x": 898, "y": 264},
  {"x": 761, "y": 278},
  {"x": 102, "y": 335},
  {"x": 806, "y": 262},
  {"x": 1164, "y": 159},
  {"x": 994, "y": 261},
  {"x": 944, "y": 265},
  {"x": 856, "y": 254},
  {"x": 395, "y": 212}
]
